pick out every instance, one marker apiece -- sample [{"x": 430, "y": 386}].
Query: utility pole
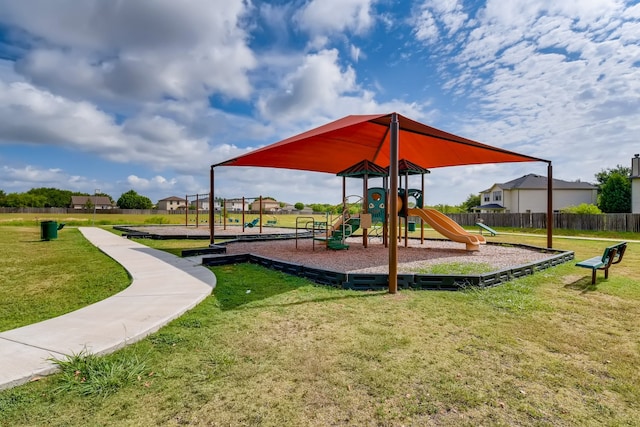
[{"x": 95, "y": 196}]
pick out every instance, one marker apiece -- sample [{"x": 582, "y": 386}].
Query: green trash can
[
  {"x": 411, "y": 226},
  {"x": 48, "y": 230}
]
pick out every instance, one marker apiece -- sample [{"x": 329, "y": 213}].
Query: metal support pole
[
  {"x": 197, "y": 210},
  {"x": 421, "y": 220},
  {"x": 211, "y": 209},
  {"x": 365, "y": 207},
  {"x": 393, "y": 205},
  {"x": 549, "y": 206},
  {"x": 405, "y": 207},
  {"x": 260, "y": 205},
  {"x": 385, "y": 222}
]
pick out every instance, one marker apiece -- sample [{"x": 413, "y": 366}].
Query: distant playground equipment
[
  {"x": 198, "y": 201},
  {"x": 239, "y": 206},
  {"x": 486, "y": 228},
  {"x": 272, "y": 222},
  {"x": 252, "y": 223}
]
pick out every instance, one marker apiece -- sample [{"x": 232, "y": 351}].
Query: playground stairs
[{"x": 336, "y": 240}]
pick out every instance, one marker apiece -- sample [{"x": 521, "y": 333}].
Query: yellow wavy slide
[{"x": 449, "y": 228}]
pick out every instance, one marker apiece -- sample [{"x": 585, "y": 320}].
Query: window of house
[
  {"x": 487, "y": 197},
  {"x": 497, "y": 196}
]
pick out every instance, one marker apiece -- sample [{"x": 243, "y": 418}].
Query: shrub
[{"x": 584, "y": 209}]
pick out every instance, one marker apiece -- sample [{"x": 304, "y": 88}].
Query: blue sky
[{"x": 146, "y": 94}]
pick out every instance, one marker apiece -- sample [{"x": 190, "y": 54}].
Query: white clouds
[
  {"x": 31, "y": 115},
  {"x": 546, "y": 78},
  {"x": 434, "y": 14},
  {"x": 169, "y": 88},
  {"x": 155, "y": 183},
  {"x": 143, "y": 49},
  {"x": 327, "y": 17},
  {"x": 21, "y": 178},
  {"x": 426, "y": 28},
  {"x": 313, "y": 88}
]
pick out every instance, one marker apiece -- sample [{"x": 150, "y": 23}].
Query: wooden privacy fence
[{"x": 603, "y": 222}]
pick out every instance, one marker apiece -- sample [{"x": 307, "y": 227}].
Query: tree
[
  {"x": 22, "y": 200},
  {"x": 133, "y": 200},
  {"x": 472, "y": 201},
  {"x": 604, "y": 175},
  {"x": 88, "y": 205},
  {"x": 54, "y": 197},
  {"x": 615, "y": 196},
  {"x": 299, "y": 206}
]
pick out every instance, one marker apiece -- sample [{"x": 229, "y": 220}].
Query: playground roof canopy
[
  {"x": 339, "y": 145},
  {"x": 405, "y": 167},
  {"x": 364, "y": 168}
]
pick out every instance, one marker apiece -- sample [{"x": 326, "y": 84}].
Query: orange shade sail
[{"x": 339, "y": 145}]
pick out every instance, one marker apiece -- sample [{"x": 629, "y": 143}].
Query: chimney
[{"x": 635, "y": 166}]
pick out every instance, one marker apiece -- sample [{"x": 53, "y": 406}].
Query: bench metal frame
[{"x": 612, "y": 255}]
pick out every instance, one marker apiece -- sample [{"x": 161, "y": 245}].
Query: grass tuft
[{"x": 87, "y": 374}]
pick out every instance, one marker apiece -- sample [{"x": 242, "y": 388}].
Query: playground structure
[
  {"x": 333, "y": 232},
  {"x": 374, "y": 214},
  {"x": 381, "y": 139}
]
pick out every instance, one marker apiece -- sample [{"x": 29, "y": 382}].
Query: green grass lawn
[
  {"x": 270, "y": 349},
  {"x": 44, "y": 279}
]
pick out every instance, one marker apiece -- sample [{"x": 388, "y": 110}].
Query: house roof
[
  {"x": 490, "y": 206},
  {"x": 172, "y": 198},
  {"x": 338, "y": 145},
  {"x": 539, "y": 182},
  {"x": 96, "y": 200}
]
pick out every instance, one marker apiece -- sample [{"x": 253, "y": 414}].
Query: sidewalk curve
[{"x": 163, "y": 287}]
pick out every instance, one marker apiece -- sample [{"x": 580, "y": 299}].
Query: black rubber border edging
[{"x": 375, "y": 282}]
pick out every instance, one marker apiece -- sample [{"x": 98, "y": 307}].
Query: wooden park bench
[{"x": 612, "y": 255}]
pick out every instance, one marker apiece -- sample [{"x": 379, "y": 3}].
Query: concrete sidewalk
[{"x": 163, "y": 288}]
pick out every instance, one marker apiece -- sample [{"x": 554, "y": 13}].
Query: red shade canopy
[{"x": 339, "y": 145}]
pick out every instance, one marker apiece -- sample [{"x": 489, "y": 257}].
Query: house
[
  {"x": 528, "y": 194},
  {"x": 202, "y": 204},
  {"x": 235, "y": 205},
  {"x": 172, "y": 203},
  {"x": 268, "y": 205},
  {"x": 91, "y": 202}
]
